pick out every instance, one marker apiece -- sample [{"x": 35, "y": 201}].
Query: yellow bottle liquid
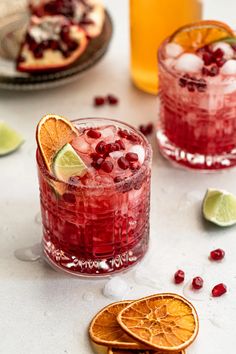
[{"x": 151, "y": 22}]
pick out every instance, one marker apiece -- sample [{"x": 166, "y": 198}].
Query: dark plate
[{"x": 12, "y": 29}]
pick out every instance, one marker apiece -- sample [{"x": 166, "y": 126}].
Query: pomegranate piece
[
  {"x": 179, "y": 276},
  {"x": 101, "y": 147},
  {"x": 98, "y": 101},
  {"x": 131, "y": 156},
  {"x": 217, "y": 255},
  {"x": 107, "y": 166},
  {"x": 123, "y": 163},
  {"x": 197, "y": 283},
  {"x": 118, "y": 179},
  {"x": 97, "y": 163},
  {"x": 121, "y": 144},
  {"x": 219, "y": 290},
  {"x": 92, "y": 133},
  {"x": 112, "y": 100},
  {"x": 214, "y": 70},
  {"x": 208, "y": 58},
  {"x": 134, "y": 165},
  {"x": 218, "y": 54},
  {"x": 123, "y": 133}
]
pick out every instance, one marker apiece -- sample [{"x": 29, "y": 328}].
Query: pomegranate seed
[
  {"x": 182, "y": 82},
  {"x": 123, "y": 163},
  {"x": 146, "y": 129},
  {"x": 208, "y": 58},
  {"x": 121, "y": 144},
  {"x": 118, "y": 179},
  {"x": 72, "y": 45},
  {"x": 201, "y": 85},
  {"x": 97, "y": 164},
  {"x": 133, "y": 138},
  {"x": 213, "y": 71},
  {"x": 134, "y": 165},
  {"x": 112, "y": 100},
  {"x": 101, "y": 147},
  {"x": 65, "y": 34},
  {"x": 197, "y": 283},
  {"x": 98, "y": 101},
  {"x": 95, "y": 156},
  {"x": 234, "y": 47},
  {"x": 131, "y": 156},
  {"x": 112, "y": 147},
  {"x": 190, "y": 87},
  {"x": 218, "y": 53},
  {"x": 217, "y": 254},
  {"x": 94, "y": 134},
  {"x": 123, "y": 134},
  {"x": 179, "y": 276},
  {"x": 205, "y": 71},
  {"x": 219, "y": 290},
  {"x": 220, "y": 62},
  {"x": 107, "y": 166}
]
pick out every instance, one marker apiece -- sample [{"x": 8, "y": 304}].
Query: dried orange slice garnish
[
  {"x": 52, "y": 133},
  {"x": 105, "y": 330},
  {"x": 196, "y": 35},
  {"x": 131, "y": 351},
  {"x": 163, "y": 321}
]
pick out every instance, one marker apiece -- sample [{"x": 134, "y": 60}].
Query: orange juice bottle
[{"x": 151, "y": 21}]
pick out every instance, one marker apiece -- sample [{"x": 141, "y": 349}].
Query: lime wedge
[
  {"x": 219, "y": 207},
  {"x": 10, "y": 140},
  {"x": 229, "y": 40},
  {"x": 67, "y": 163}
]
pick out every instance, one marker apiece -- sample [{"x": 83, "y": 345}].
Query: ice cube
[
  {"x": 116, "y": 154},
  {"x": 229, "y": 86},
  {"x": 173, "y": 50},
  {"x": 189, "y": 63},
  {"x": 226, "y": 48},
  {"x": 80, "y": 145},
  {"x": 169, "y": 62},
  {"x": 116, "y": 288},
  {"x": 139, "y": 150},
  {"x": 229, "y": 68},
  {"x": 108, "y": 133}
]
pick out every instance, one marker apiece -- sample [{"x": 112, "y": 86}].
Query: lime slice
[
  {"x": 219, "y": 207},
  {"x": 67, "y": 163},
  {"x": 10, "y": 140},
  {"x": 229, "y": 40}
]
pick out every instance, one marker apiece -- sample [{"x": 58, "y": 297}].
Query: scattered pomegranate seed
[
  {"x": 107, "y": 166},
  {"x": 112, "y": 100},
  {"x": 219, "y": 290},
  {"x": 121, "y": 144},
  {"x": 179, "y": 276},
  {"x": 92, "y": 133},
  {"x": 133, "y": 138},
  {"x": 97, "y": 164},
  {"x": 217, "y": 254},
  {"x": 99, "y": 101},
  {"x": 101, "y": 147},
  {"x": 146, "y": 129},
  {"x": 123, "y": 163},
  {"x": 131, "y": 156},
  {"x": 197, "y": 283}
]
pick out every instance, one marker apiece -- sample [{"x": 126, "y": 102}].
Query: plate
[{"x": 12, "y": 29}]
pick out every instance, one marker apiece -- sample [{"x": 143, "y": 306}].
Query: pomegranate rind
[
  {"x": 52, "y": 133},
  {"x": 166, "y": 322},
  {"x": 105, "y": 330},
  {"x": 58, "y": 63},
  {"x": 196, "y": 35}
]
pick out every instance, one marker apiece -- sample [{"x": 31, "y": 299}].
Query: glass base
[
  {"x": 194, "y": 161},
  {"x": 59, "y": 260}
]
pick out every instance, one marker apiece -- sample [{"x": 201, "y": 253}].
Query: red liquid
[{"x": 96, "y": 226}]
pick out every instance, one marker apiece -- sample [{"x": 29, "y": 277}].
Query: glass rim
[
  {"x": 148, "y": 158},
  {"x": 176, "y": 75}
]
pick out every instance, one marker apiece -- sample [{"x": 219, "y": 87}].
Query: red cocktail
[
  {"x": 197, "y": 74},
  {"x": 98, "y": 222}
]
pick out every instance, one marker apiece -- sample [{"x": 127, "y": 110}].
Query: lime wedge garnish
[
  {"x": 229, "y": 40},
  {"x": 10, "y": 140},
  {"x": 219, "y": 207},
  {"x": 67, "y": 163}
]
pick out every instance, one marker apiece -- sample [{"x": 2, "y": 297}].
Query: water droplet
[
  {"x": 88, "y": 296},
  {"x": 116, "y": 288},
  {"x": 29, "y": 254},
  {"x": 38, "y": 218}
]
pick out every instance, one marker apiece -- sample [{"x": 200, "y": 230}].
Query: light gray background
[{"x": 42, "y": 311}]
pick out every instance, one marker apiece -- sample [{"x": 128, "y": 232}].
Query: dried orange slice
[
  {"x": 162, "y": 321},
  {"x": 105, "y": 330},
  {"x": 131, "y": 351},
  {"x": 197, "y": 35},
  {"x": 52, "y": 133}
]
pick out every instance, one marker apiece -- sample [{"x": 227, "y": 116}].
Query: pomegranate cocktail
[
  {"x": 94, "y": 177},
  {"x": 197, "y": 74}
]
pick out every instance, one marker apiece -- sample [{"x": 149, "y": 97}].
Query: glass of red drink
[
  {"x": 98, "y": 223},
  {"x": 197, "y": 125}
]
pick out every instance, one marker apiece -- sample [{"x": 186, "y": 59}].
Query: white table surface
[{"x": 42, "y": 311}]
